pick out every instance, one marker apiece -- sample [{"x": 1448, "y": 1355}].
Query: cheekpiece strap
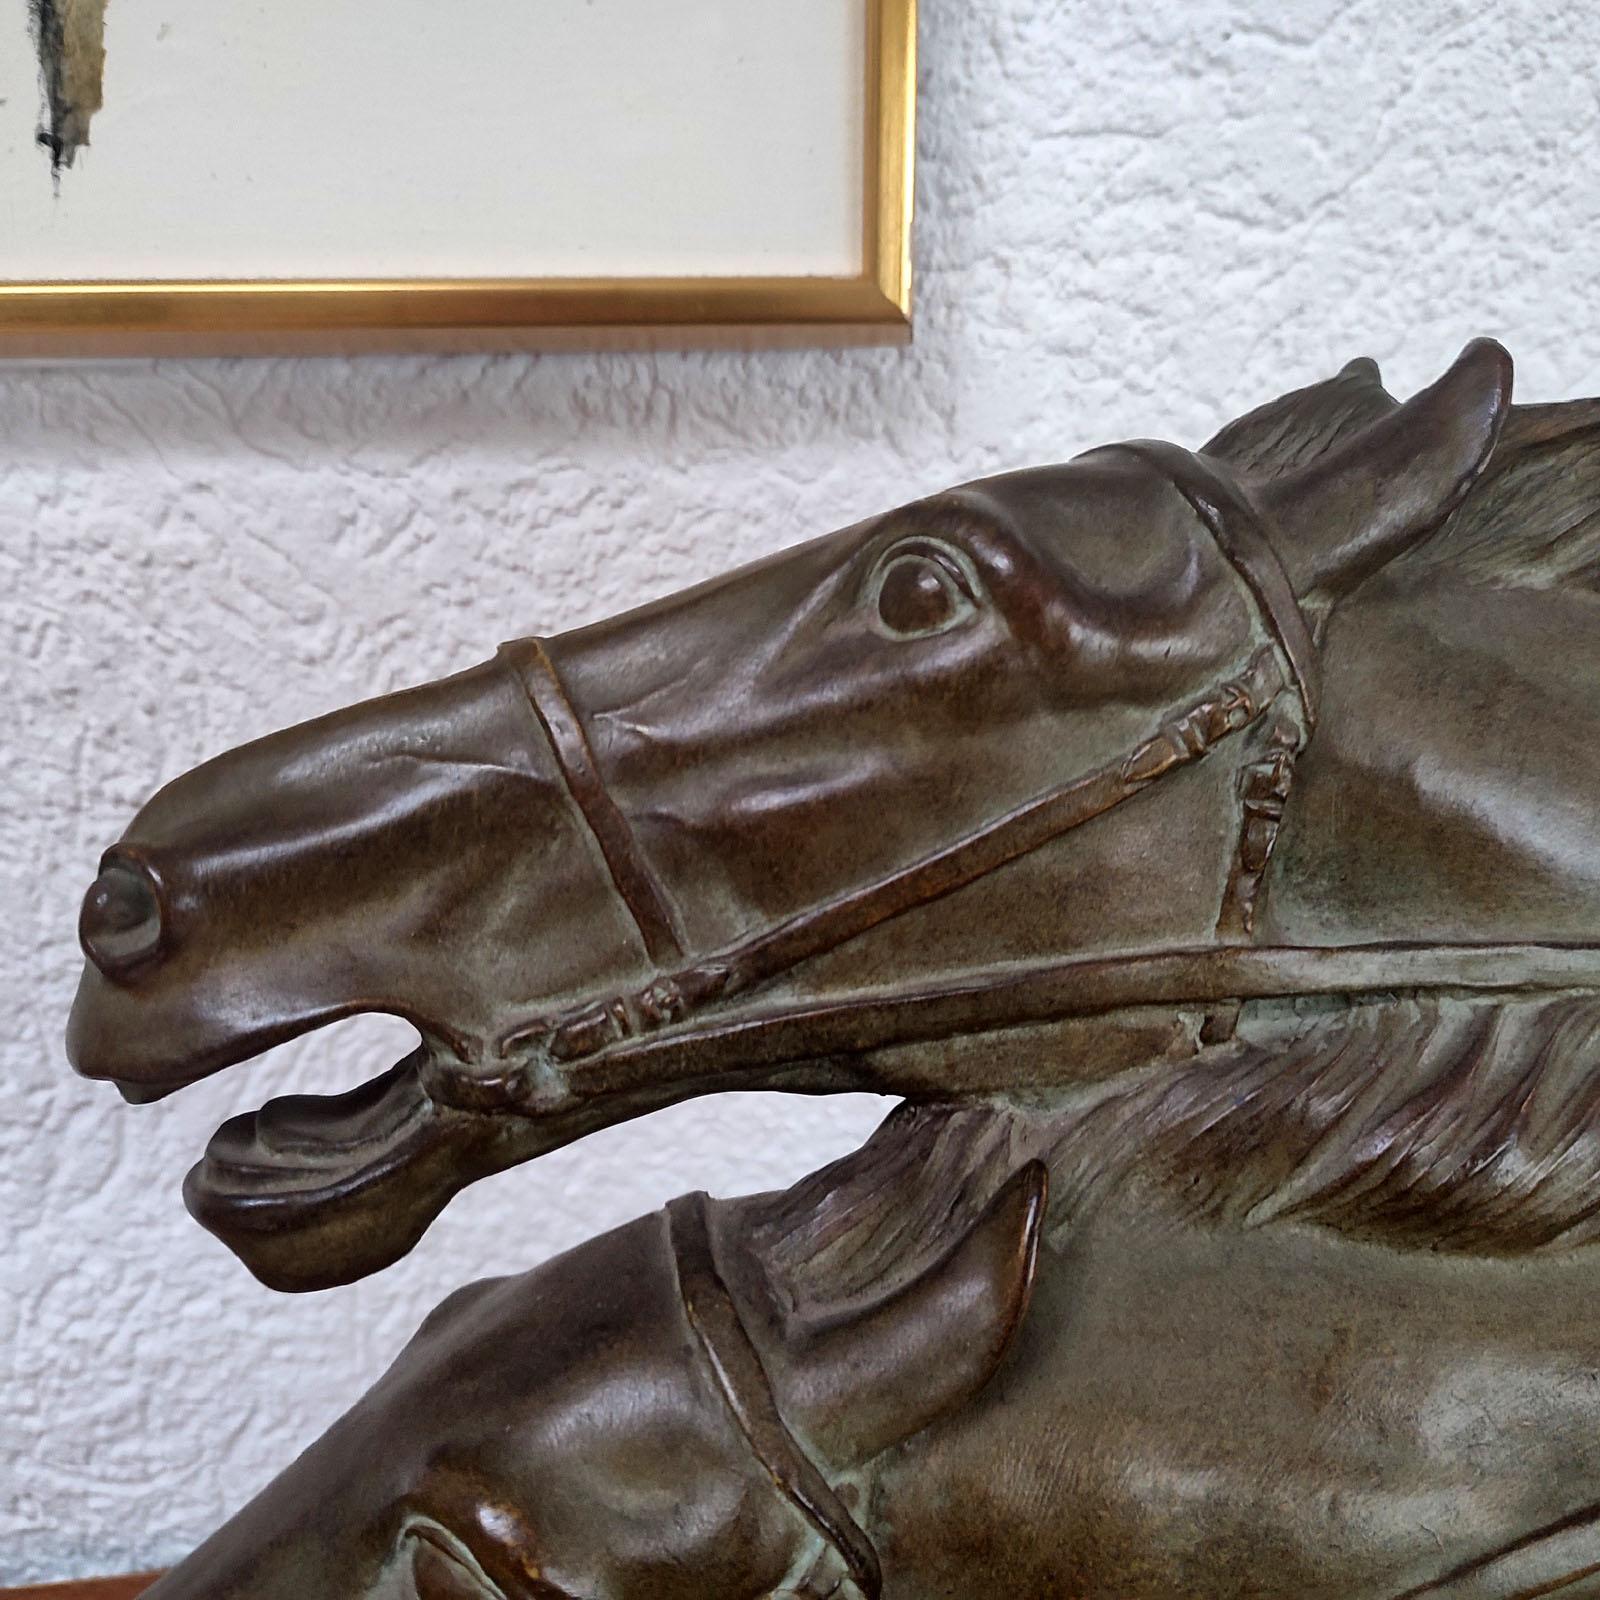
[
  {"x": 1240, "y": 531},
  {"x": 736, "y": 1365}
]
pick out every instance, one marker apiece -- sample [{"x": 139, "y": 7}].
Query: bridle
[
  {"x": 670, "y": 1025},
  {"x": 1282, "y": 668},
  {"x": 741, "y": 1379},
  {"x": 1521, "y": 1568}
]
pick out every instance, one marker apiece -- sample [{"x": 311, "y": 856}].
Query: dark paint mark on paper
[{"x": 71, "y": 36}]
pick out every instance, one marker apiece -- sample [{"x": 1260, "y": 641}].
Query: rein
[{"x": 1549, "y": 1561}]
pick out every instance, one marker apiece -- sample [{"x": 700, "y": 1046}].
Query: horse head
[
  {"x": 1277, "y": 1323},
  {"x": 638, "y": 1418},
  {"x": 989, "y": 781}
]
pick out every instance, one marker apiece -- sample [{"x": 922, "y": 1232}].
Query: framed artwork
[{"x": 211, "y": 176}]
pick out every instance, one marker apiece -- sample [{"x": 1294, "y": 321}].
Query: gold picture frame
[{"x": 60, "y": 320}]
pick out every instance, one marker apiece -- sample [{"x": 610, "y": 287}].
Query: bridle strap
[
  {"x": 736, "y": 1365},
  {"x": 530, "y": 664},
  {"x": 1239, "y": 530},
  {"x": 1171, "y": 982},
  {"x": 1226, "y": 710},
  {"x": 1288, "y": 662},
  {"x": 1548, "y": 1561}
]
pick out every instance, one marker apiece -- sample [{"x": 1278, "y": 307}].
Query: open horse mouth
[
  {"x": 340, "y": 1169},
  {"x": 316, "y": 1190},
  {"x": 316, "y": 875},
  {"x": 313, "y": 1191}
]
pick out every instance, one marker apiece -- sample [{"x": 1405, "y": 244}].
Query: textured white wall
[{"x": 1135, "y": 218}]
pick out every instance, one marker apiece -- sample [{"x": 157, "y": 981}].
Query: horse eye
[
  {"x": 120, "y": 924},
  {"x": 443, "y": 1569},
  {"x": 922, "y": 593}
]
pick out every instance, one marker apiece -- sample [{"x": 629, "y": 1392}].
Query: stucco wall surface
[{"x": 1134, "y": 219}]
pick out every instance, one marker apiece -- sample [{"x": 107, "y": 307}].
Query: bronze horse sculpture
[{"x": 1201, "y": 843}]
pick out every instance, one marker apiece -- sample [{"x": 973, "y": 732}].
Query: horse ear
[
  {"x": 867, "y": 1380},
  {"x": 1297, "y": 428},
  {"x": 1352, "y": 511}
]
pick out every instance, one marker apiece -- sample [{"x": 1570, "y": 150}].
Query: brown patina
[{"x": 1202, "y": 843}]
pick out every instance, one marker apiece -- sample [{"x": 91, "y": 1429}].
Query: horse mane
[
  {"x": 1532, "y": 519},
  {"x": 1450, "y": 1125}
]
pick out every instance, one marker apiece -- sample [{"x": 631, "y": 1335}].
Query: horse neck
[
  {"x": 1179, "y": 1387},
  {"x": 1448, "y": 793}
]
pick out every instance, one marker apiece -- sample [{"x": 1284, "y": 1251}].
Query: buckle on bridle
[{"x": 1235, "y": 706}]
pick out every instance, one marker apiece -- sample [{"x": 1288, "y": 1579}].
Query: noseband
[
  {"x": 635, "y": 883},
  {"x": 670, "y": 1027}
]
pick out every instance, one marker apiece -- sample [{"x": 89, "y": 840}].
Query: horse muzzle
[{"x": 419, "y": 855}]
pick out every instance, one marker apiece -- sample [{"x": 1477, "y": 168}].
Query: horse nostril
[{"x": 120, "y": 925}]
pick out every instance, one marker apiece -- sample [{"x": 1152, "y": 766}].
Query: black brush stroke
[{"x": 60, "y": 135}]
